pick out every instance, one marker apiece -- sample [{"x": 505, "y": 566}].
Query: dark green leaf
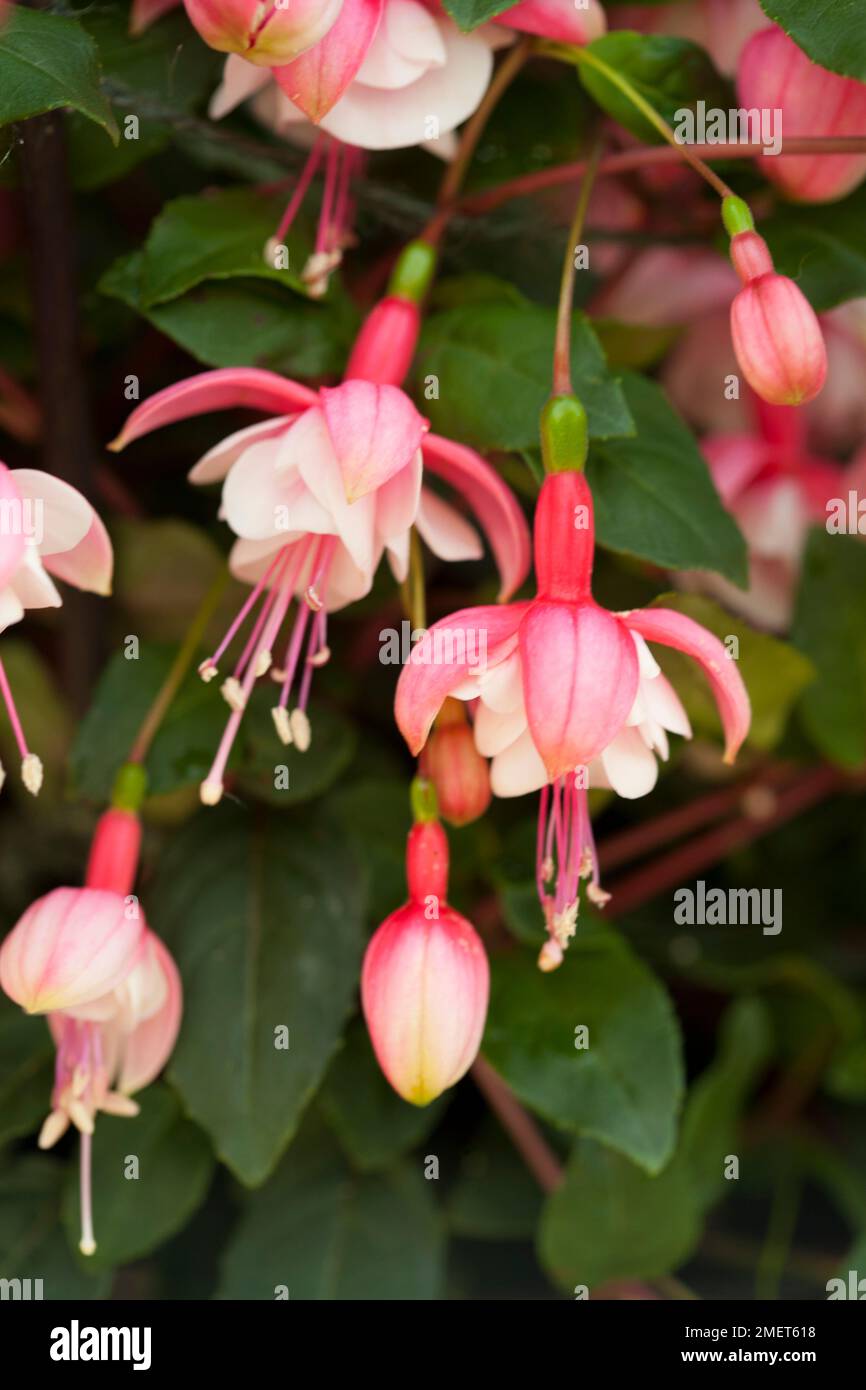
[
  {"x": 775, "y": 673},
  {"x": 671, "y": 74},
  {"x": 625, "y": 1086},
  {"x": 32, "y": 1242},
  {"x": 373, "y": 1124},
  {"x": 832, "y": 32},
  {"x": 654, "y": 496},
  {"x": 26, "y": 1071},
  {"x": 492, "y": 365},
  {"x": 821, "y": 247},
  {"x": 495, "y": 1196},
  {"x": 610, "y": 1220},
  {"x": 830, "y": 627},
  {"x": 46, "y": 62},
  {"x": 470, "y": 13},
  {"x": 135, "y": 1210},
  {"x": 716, "y": 1100},
  {"x": 318, "y": 1231},
  {"x": 244, "y": 323},
  {"x": 264, "y": 917}
]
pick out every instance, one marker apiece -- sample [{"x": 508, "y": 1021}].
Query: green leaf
[
  {"x": 218, "y": 235},
  {"x": 830, "y": 627},
  {"x": 654, "y": 497},
  {"x": 373, "y": 1124},
  {"x": 492, "y": 363},
  {"x": 821, "y": 247},
  {"x": 264, "y": 917},
  {"x": 716, "y": 1099},
  {"x": 832, "y": 32},
  {"x": 32, "y": 1242},
  {"x": 161, "y": 601},
  {"x": 318, "y": 1231},
  {"x": 301, "y": 775},
  {"x": 671, "y": 74},
  {"x": 26, "y": 1071},
  {"x": 244, "y": 323},
  {"x": 625, "y": 1085},
  {"x": 775, "y": 673},
  {"x": 132, "y": 1215},
  {"x": 495, "y": 1197},
  {"x": 46, "y": 62},
  {"x": 610, "y": 1220},
  {"x": 374, "y": 813},
  {"x": 470, "y": 13}
]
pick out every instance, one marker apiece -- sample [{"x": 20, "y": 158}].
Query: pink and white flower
[
  {"x": 316, "y": 495},
  {"x": 48, "y": 531},
  {"x": 569, "y": 696},
  {"x": 425, "y": 980}
]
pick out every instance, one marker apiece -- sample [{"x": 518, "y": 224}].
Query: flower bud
[
  {"x": 113, "y": 860},
  {"x": 774, "y": 74},
  {"x": 776, "y": 334},
  {"x": 70, "y": 948},
  {"x": 266, "y": 32},
  {"x": 457, "y": 770},
  {"x": 425, "y": 981},
  {"x": 385, "y": 346}
]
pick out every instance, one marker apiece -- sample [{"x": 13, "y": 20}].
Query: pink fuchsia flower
[
  {"x": 265, "y": 32},
  {"x": 776, "y": 490},
  {"x": 317, "y": 494},
  {"x": 776, "y": 334},
  {"x": 110, "y": 989},
  {"x": 774, "y": 73},
  {"x": 569, "y": 695},
  {"x": 425, "y": 980},
  {"x": 69, "y": 948},
  {"x": 456, "y": 769},
  {"x": 558, "y": 21},
  {"x": 48, "y": 531}
]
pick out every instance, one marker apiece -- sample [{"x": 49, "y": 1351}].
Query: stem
[
  {"x": 474, "y": 204},
  {"x": 521, "y": 1129},
  {"x": 562, "y": 347},
  {"x": 67, "y": 440},
  {"x": 179, "y": 667},
  {"x": 586, "y": 58},
  {"x": 414, "y": 596},
  {"x": 472, "y": 132}
]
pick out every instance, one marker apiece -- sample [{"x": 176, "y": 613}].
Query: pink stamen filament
[
  {"x": 323, "y": 237},
  {"x": 13, "y": 713},
  {"x": 307, "y": 175},
  {"x": 252, "y": 643},
  {"x": 317, "y": 641},
  {"x": 278, "y": 559},
  {"x": 88, "y": 1243}
]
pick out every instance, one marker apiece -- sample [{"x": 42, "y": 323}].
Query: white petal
[
  {"x": 664, "y": 705},
  {"x": 33, "y": 587},
  {"x": 447, "y": 533},
  {"x": 496, "y": 732},
  {"x": 239, "y": 81},
  {"x": 60, "y": 516},
  {"x": 518, "y": 769},
  {"x": 11, "y": 610},
  {"x": 215, "y": 464},
  {"x": 631, "y": 768}
]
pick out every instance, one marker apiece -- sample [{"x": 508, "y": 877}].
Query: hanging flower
[{"x": 570, "y": 695}]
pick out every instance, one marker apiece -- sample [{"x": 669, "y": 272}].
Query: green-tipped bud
[
  {"x": 564, "y": 435},
  {"x": 413, "y": 273},
  {"x": 737, "y": 216},
  {"x": 130, "y": 787},
  {"x": 422, "y": 795}
]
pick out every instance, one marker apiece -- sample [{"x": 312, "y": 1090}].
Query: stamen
[
  {"x": 301, "y": 732},
  {"x": 31, "y": 766},
  {"x": 307, "y": 175},
  {"x": 31, "y": 773},
  {"x": 282, "y": 723},
  {"x": 87, "y": 1244},
  {"x": 233, "y": 694},
  {"x": 208, "y": 669}
]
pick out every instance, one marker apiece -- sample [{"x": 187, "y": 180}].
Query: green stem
[
  {"x": 179, "y": 668},
  {"x": 584, "y": 57},
  {"x": 562, "y": 346},
  {"x": 414, "y": 596}
]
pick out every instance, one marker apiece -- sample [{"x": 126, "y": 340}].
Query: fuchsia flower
[
  {"x": 776, "y": 490},
  {"x": 48, "y": 531},
  {"x": 317, "y": 494},
  {"x": 773, "y": 72},
  {"x": 425, "y": 980},
  {"x": 569, "y": 696},
  {"x": 86, "y": 958},
  {"x": 776, "y": 334},
  {"x": 265, "y": 32}
]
